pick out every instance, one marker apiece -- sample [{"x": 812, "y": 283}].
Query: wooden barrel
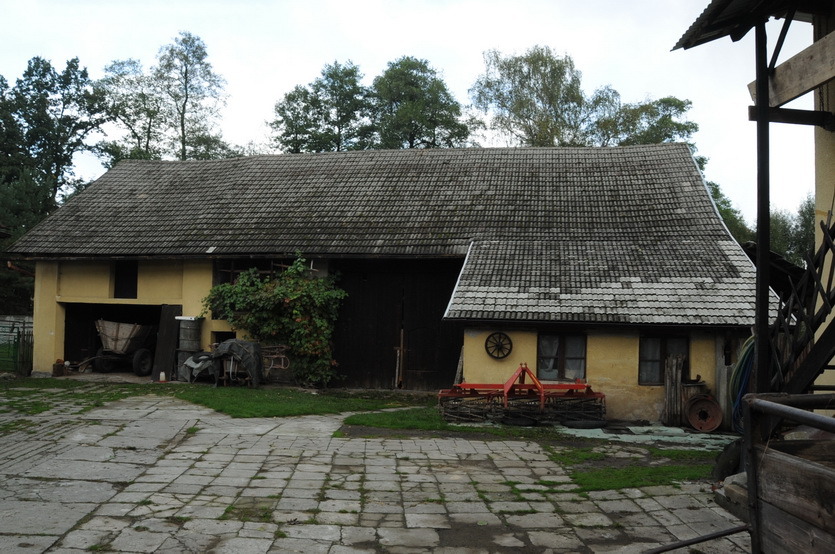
[{"x": 190, "y": 334}]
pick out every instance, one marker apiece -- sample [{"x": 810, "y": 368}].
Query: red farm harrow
[{"x": 519, "y": 398}]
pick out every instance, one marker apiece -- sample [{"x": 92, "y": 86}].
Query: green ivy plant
[{"x": 289, "y": 307}]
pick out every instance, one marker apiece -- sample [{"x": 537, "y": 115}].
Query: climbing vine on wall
[{"x": 290, "y": 307}]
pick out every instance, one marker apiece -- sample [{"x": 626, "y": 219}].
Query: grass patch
[
  {"x": 574, "y": 456},
  {"x": 637, "y": 476},
  {"x": 427, "y": 418},
  {"x": 683, "y": 455},
  {"x": 29, "y": 396},
  {"x": 583, "y": 467},
  {"x": 423, "y": 418},
  {"x": 16, "y": 425},
  {"x": 248, "y": 512}
]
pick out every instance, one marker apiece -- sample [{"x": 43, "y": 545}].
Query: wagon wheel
[
  {"x": 103, "y": 363},
  {"x": 498, "y": 345},
  {"x": 143, "y": 362}
]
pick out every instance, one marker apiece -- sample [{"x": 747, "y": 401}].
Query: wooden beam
[
  {"x": 801, "y": 73},
  {"x": 800, "y": 117}
]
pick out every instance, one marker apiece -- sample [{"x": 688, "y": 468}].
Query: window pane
[
  {"x": 650, "y": 366},
  {"x": 548, "y": 365},
  {"x": 650, "y": 349},
  {"x": 549, "y": 346},
  {"x": 649, "y": 373},
  {"x": 575, "y": 368},
  {"x": 575, "y": 347}
]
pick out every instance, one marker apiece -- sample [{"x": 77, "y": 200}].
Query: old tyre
[{"x": 143, "y": 362}]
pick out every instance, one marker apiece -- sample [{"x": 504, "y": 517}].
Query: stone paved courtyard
[{"x": 153, "y": 474}]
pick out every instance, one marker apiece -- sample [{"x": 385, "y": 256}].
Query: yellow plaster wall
[
  {"x": 703, "y": 358},
  {"x": 197, "y": 281},
  {"x": 611, "y": 367},
  {"x": 159, "y": 282},
  {"x": 48, "y": 320},
  {"x": 84, "y": 280},
  {"x": 479, "y": 367}
]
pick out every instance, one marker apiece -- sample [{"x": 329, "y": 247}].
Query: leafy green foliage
[
  {"x": 193, "y": 92},
  {"x": 537, "y": 99},
  {"x": 45, "y": 120},
  {"x": 408, "y": 106},
  {"x": 135, "y": 102},
  {"x": 793, "y": 234},
  {"x": 56, "y": 112},
  {"x": 291, "y": 308},
  {"x": 414, "y": 108},
  {"x": 730, "y": 215},
  {"x": 330, "y": 115},
  {"x": 803, "y": 232},
  {"x": 655, "y": 121},
  {"x": 169, "y": 111}
]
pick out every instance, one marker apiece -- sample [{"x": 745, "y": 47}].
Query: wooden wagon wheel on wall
[{"x": 498, "y": 345}]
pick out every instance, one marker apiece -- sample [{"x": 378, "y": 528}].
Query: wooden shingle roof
[{"x": 543, "y": 229}]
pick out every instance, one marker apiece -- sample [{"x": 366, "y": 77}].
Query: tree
[
  {"x": 537, "y": 99},
  {"x": 655, "y": 121},
  {"x": 23, "y": 203},
  {"x": 343, "y": 108},
  {"x": 781, "y": 224},
  {"x": 329, "y": 115},
  {"x": 135, "y": 102},
  {"x": 730, "y": 215},
  {"x": 793, "y": 234},
  {"x": 804, "y": 230},
  {"x": 414, "y": 108},
  {"x": 13, "y": 159},
  {"x": 57, "y": 113},
  {"x": 295, "y": 121},
  {"x": 802, "y": 242},
  {"x": 193, "y": 92}
]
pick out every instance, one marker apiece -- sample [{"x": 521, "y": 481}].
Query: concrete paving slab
[
  {"x": 41, "y": 518},
  {"x": 127, "y": 477},
  {"x": 25, "y": 544}
]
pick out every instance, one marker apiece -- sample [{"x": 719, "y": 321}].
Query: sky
[{"x": 264, "y": 48}]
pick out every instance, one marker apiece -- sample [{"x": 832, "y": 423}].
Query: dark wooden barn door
[{"x": 390, "y": 332}]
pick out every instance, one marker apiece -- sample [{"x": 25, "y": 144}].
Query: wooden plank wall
[{"x": 797, "y": 503}]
